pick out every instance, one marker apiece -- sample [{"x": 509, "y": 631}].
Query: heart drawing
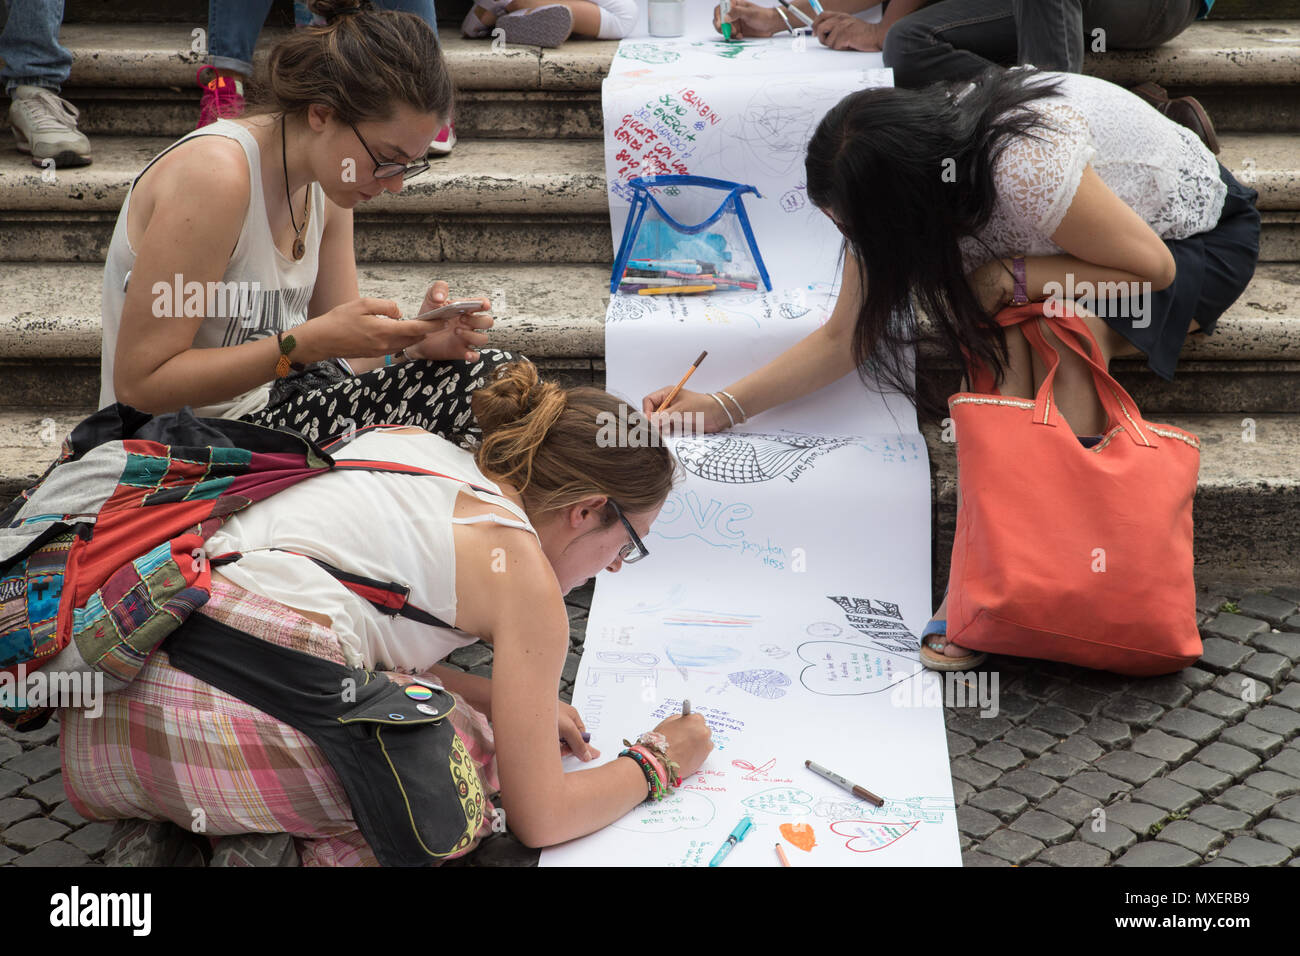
[
  {"x": 762, "y": 682},
  {"x": 781, "y": 801},
  {"x": 866, "y": 836},
  {"x": 684, "y": 810},
  {"x": 837, "y": 669}
]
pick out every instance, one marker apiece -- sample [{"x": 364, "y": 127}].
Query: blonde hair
[
  {"x": 542, "y": 438},
  {"x": 360, "y": 64}
]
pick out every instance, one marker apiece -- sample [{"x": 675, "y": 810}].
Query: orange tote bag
[{"x": 1067, "y": 553}]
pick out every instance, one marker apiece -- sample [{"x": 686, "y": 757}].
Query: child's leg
[{"x": 482, "y": 18}]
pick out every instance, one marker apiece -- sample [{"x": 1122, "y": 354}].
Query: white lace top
[{"x": 1161, "y": 169}]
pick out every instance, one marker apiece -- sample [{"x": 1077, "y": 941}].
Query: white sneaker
[
  {"x": 547, "y": 26},
  {"x": 46, "y": 126}
]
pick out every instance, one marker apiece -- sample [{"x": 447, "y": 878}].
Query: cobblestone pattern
[
  {"x": 1079, "y": 768},
  {"x": 1198, "y": 768}
]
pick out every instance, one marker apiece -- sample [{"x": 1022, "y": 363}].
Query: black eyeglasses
[
  {"x": 634, "y": 550},
  {"x": 389, "y": 170}
]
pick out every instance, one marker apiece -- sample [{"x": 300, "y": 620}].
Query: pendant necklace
[{"x": 299, "y": 247}]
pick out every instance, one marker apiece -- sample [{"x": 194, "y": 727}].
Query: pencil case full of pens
[{"x": 688, "y": 235}]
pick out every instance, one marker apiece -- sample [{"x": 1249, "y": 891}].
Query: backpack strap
[{"x": 387, "y": 597}]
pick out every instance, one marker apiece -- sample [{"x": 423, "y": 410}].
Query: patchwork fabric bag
[
  {"x": 1068, "y": 553},
  {"x": 104, "y": 556},
  {"x": 688, "y": 231}
]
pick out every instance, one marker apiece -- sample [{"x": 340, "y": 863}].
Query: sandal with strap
[{"x": 933, "y": 657}]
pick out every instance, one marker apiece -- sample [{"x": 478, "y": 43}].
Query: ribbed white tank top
[
  {"x": 387, "y": 526},
  {"x": 271, "y": 290}
]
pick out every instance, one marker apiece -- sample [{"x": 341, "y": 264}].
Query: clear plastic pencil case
[{"x": 681, "y": 237}]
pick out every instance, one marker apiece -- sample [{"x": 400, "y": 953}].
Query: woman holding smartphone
[{"x": 231, "y": 279}]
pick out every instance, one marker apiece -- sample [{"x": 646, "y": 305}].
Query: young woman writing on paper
[
  {"x": 550, "y": 507},
  {"x": 946, "y": 195},
  {"x": 231, "y": 279}
]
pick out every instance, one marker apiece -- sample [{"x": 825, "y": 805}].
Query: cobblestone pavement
[{"x": 1078, "y": 768}]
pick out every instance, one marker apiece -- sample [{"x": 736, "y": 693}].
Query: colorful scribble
[{"x": 801, "y": 835}]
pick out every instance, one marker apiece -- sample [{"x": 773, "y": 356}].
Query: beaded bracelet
[
  {"x": 651, "y": 756},
  {"x": 651, "y": 775},
  {"x": 656, "y": 745},
  {"x": 658, "y": 765}
]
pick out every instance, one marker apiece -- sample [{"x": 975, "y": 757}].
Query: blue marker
[
  {"x": 817, "y": 7},
  {"x": 736, "y": 835}
]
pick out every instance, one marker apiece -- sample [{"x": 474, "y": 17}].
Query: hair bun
[{"x": 334, "y": 10}]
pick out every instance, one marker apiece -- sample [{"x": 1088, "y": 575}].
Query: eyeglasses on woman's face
[
  {"x": 389, "y": 170},
  {"x": 634, "y": 550}
]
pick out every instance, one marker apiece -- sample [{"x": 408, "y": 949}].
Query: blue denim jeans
[
  {"x": 30, "y": 45},
  {"x": 233, "y": 26},
  {"x": 955, "y": 39}
]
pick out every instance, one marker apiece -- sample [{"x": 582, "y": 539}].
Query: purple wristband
[{"x": 1019, "y": 291}]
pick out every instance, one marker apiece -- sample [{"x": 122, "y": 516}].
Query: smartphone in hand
[{"x": 454, "y": 309}]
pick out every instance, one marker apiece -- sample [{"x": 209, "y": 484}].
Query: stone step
[
  {"x": 50, "y": 332},
  {"x": 482, "y": 176},
  {"x": 1208, "y": 53},
  {"x": 1247, "y": 506},
  {"x": 480, "y": 114},
  {"x": 131, "y": 79},
  {"x": 490, "y": 238},
  {"x": 157, "y": 56},
  {"x": 138, "y": 79},
  {"x": 450, "y": 12},
  {"x": 489, "y": 201}
]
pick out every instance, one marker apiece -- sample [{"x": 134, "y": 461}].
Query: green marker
[{"x": 726, "y": 27}]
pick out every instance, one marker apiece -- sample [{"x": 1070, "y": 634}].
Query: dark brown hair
[
  {"x": 360, "y": 64},
  {"x": 543, "y": 438}
]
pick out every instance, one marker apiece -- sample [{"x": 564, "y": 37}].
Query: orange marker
[
  {"x": 781, "y": 853},
  {"x": 689, "y": 372},
  {"x": 676, "y": 289}
]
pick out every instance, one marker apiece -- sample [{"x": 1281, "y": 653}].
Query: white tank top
[
  {"x": 391, "y": 527},
  {"x": 262, "y": 290}
]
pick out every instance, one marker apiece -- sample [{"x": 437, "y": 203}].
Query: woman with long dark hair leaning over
[{"x": 955, "y": 200}]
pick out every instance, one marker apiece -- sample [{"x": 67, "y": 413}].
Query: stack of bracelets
[{"x": 651, "y": 754}]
